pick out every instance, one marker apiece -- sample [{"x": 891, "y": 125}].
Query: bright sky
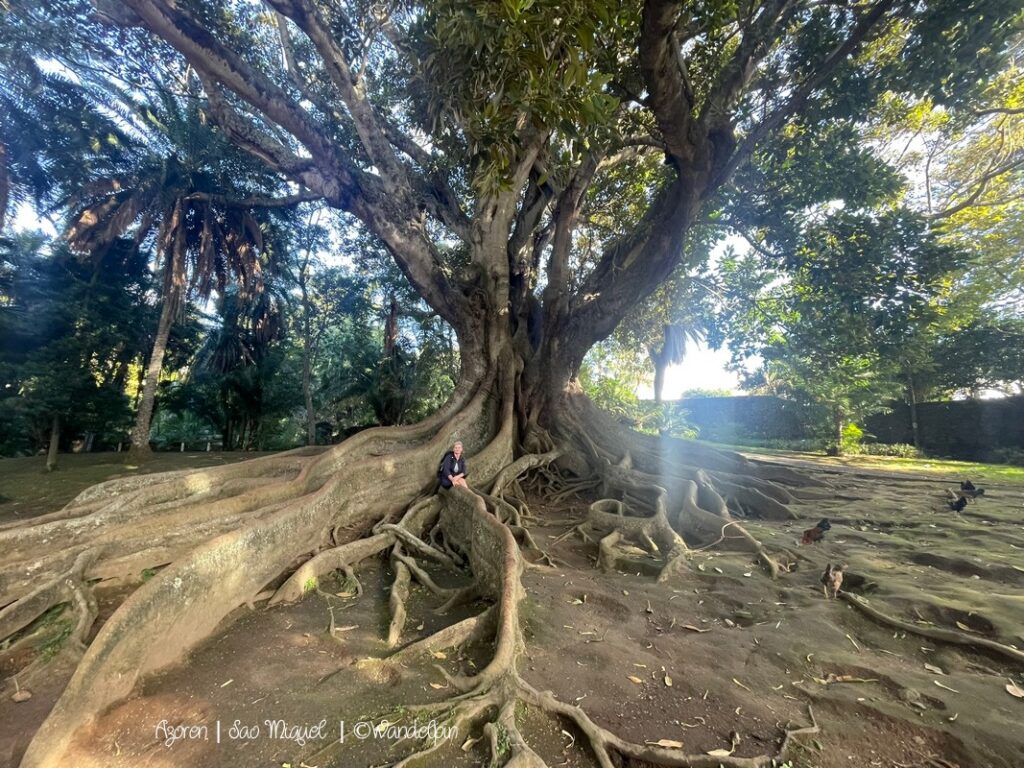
[
  {"x": 26, "y": 220},
  {"x": 703, "y": 368}
]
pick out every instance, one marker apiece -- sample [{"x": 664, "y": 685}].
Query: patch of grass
[
  {"x": 1001, "y": 473},
  {"x": 148, "y": 574},
  {"x": 310, "y": 584},
  {"x": 26, "y": 490},
  {"x": 52, "y": 645}
]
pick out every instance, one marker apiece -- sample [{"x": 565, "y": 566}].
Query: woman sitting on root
[{"x": 453, "y": 469}]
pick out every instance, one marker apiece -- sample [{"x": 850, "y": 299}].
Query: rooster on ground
[{"x": 817, "y": 533}]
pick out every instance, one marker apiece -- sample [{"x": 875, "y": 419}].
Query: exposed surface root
[
  {"x": 670, "y": 518},
  {"x": 69, "y": 587},
  {"x": 399, "y": 594},
  {"x": 982, "y": 644},
  {"x": 496, "y": 690},
  {"x": 306, "y": 577}
]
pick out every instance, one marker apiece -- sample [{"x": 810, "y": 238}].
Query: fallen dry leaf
[
  {"x": 694, "y": 629},
  {"x": 668, "y": 681},
  {"x": 1015, "y": 690},
  {"x": 439, "y": 655},
  {"x": 438, "y": 686},
  {"x": 635, "y": 679},
  {"x": 933, "y": 668},
  {"x": 945, "y": 687},
  {"x": 668, "y": 743},
  {"x": 468, "y": 743},
  {"x": 964, "y": 627},
  {"x": 720, "y": 752},
  {"x": 23, "y": 695},
  {"x": 741, "y": 685}
]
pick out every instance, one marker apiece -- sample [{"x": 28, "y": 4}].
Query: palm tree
[
  {"x": 674, "y": 341},
  {"x": 184, "y": 195},
  {"x": 236, "y": 352}
]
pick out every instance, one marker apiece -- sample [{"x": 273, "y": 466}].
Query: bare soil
[{"x": 720, "y": 649}]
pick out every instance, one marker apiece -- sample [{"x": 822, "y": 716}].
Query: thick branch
[
  {"x": 257, "y": 202},
  {"x": 216, "y": 61},
  {"x": 365, "y": 118},
  {"x": 868, "y": 24}
]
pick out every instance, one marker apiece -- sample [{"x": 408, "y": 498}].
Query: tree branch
[
  {"x": 364, "y": 116},
  {"x": 757, "y": 40},
  {"x": 981, "y": 184},
  {"x": 669, "y": 94},
  {"x": 258, "y": 202},
  {"x": 862, "y": 31},
  {"x": 216, "y": 62}
]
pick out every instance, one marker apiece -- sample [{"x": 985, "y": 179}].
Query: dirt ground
[{"x": 719, "y": 651}]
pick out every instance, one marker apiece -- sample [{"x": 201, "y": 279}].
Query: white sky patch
[
  {"x": 27, "y": 220},
  {"x": 702, "y": 368}
]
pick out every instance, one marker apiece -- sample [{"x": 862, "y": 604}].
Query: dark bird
[
  {"x": 817, "y": 533},
  {"x": 959, "y": 504},
  {"x": 832, "y": 579},
  {"x": 970, "y": 490}
]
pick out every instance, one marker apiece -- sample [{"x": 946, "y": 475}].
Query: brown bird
[{"x": 832, "y": 579}]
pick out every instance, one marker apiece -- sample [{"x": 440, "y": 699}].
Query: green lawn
[{"x": 953, "y": 470}]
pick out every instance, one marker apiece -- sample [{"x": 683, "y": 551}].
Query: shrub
[
  {"x": 898, "y": 450},
  {"x": 851, "y": 438},
  {"x": 1013, "y": 456}
]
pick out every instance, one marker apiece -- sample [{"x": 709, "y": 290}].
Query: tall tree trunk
[
  {"x": 660, "y": 369},
  {"x": 839, "y": 423},
  {"x": 51, "y": 453},
  {"x": 144, "y": 416},
  {"x": 307, "y": 359},
  {"x": 912, "y": 403}
]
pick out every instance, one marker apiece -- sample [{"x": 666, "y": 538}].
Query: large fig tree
[{"x": 533, "y": 168}]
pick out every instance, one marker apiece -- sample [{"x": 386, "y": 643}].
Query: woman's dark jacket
[{"x": 451, "y": 466}]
